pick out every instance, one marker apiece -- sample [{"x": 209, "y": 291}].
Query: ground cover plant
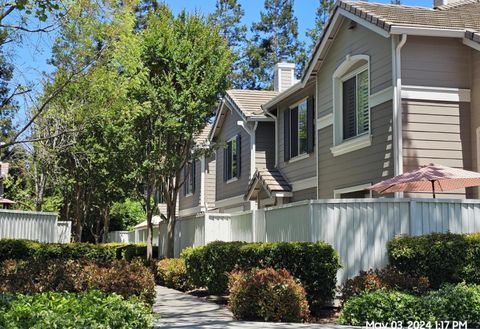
[{"x": 92, "y": 309}]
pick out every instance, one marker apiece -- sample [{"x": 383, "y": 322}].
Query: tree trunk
[
  {"x": 106, "y": 223},
  {"x": 171, "y": 216},
  {"x": 149, "y": 235}
]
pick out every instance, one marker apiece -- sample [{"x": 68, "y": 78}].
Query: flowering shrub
[{"x": 267, "y": 295}]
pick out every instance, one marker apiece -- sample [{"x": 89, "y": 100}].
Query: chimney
[
  {"x": 284, "y": 76},
  {"x": 438, "y": 3}
]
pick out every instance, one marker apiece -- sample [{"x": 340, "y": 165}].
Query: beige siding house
[{"x": 387, "y": 88}]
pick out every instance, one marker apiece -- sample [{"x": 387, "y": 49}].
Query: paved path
[{"x": 179, "y": 310}]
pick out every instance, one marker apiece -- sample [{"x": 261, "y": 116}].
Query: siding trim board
[
  {"x": 303, "y": 184},
  {"x": 436, "y": 93},
  {"x": 229, "y": 201},
  {"x": 325, "y": 121}
]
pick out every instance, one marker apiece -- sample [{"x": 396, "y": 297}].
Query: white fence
[
  {"x": 358, "y": 229},
  {"x": 39, "y": 226}
]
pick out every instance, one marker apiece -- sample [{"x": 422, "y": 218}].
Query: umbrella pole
[{"x": 433, "y": 188}]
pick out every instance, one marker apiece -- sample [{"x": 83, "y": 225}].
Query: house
[
  {"x": 198, "y": 191},
  {"x": 394, "y": 87},
  {"x": 387, "y": 88},
  {"x": 244, "y": 135}
]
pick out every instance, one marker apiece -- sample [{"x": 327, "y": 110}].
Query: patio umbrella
[{"x": 429, "y": 178}]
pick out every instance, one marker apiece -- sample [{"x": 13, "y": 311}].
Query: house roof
[
  {"x": 3, "y": 169},
  {"x": 247, "y": 103},
  {"x": 201, "y": 140},
  {"x": 250, "y": 102},
  {"x": 155, "y": 221},
  {"x": 464, "y": 15},
  {"x": 271, "y": 180}
]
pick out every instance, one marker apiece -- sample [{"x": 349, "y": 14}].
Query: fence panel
[
  {"x": 119, "y": 237},
  {"x": 64, "y": 232},
  {"x": 217, "y": 227},
  {"x": 39, "y": 226},
  {"x": 242, "y": 226},
  {"x": 288, "y": 223},
  {"x": 359, "y": 230}
]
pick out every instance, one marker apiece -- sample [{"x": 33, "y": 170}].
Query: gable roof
[
  {"x": 271, "y": 180},
  {"x": 201, "y": 140},
  {"x": 461, "y": 19},
  {"x": 463, "y": 15},
  {"x": 247, "y": 103}
]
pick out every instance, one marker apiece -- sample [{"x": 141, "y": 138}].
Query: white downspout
[
  {"x": 202, "y": 184},
  {"x": 397, "y": 109}
]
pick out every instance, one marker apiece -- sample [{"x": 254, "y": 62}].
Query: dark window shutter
[
  {"x": 239, "y": 155},
  {"x": 286, "y": 136},
  {"x": 225, "y": 164},
  {"x": 294, "y": 132},
  {"x": 310, "y": 124},
  {"x": 194, "y": 164},
  {"x": 349, "y": 108},
  {"x": 185, "y": 182}
]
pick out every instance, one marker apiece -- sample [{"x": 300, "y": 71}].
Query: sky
[{"x": 30, "y": 61}]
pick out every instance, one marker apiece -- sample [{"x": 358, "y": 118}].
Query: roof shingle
[{"x": 250, "y": 101}]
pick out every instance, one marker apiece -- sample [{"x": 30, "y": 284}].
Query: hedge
[
  {"x": 315, "y": 265},
  {"x": 121, "y": 277},
  {"x": 92, "y": 309},
  {"x": 441, "y": 257},
  {"x": 102, "y": 253},
  {"x": 451, "y": 303}
]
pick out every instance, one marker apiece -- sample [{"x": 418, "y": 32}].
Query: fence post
[{"x": 312, "y": 224}]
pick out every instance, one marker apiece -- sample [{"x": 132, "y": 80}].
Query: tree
[
  {"x": 323, "y": 11},
  {"x": 187, "y": 62},
  {"x": 227, "y": 17},
  {"x": 275, "y": 38},
  {"x": 87, "y": 117}
]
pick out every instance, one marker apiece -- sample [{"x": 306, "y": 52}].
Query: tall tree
[
  {"x": 323, "y": 11},
  {"x": 227, "y": 17},
  {"x": 275, "y": 38},
  {"x": 187, "y": 63}
]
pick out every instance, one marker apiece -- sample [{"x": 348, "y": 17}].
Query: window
[
  {"x": 299, "y": 130},
  {"x": 355, "y": 109},
  {"x": 158, "y": 196},
  {"x": 351, "y": 108},
  {"x": 232, "y": 152},
  {"x": 189, "y": 172}
]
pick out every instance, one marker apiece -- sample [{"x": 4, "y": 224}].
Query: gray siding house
[{"x": 386, "y": 89}]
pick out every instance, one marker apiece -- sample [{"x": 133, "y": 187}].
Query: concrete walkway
[{"x": 179, "y": 310}]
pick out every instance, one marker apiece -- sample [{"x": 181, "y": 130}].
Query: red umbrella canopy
[{"x": 429, "y": 178}]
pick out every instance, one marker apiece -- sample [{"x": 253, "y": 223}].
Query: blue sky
[{"x": 31, "y": 59}]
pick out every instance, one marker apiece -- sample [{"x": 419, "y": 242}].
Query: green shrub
[
  {"x": 171, "y": 272},
  {"x": 91, "y": 309},
  {"x": 267, "y": 295},
  {"x": 194, "y": 265},
  {"x": 441, "y": 257},
  {"x": 314, "y": 264},
  {"x": 389, "y": 278},
  {"x": 25, "y": 249},
  {"x": 121, "y": 277},
  {"x": 450, "y": 303},
  {"x": 139, "y": 250}
]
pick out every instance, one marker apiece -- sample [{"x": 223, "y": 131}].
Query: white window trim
[
  {"x": 231, "y": 180},
  {"x": 299, "y": 157},
  {"x": 342, "y": 73},
  {"x": 338, "y": 192},
  {"x": 305, "y": 154},
  {"x": 188, "y": 195}
]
